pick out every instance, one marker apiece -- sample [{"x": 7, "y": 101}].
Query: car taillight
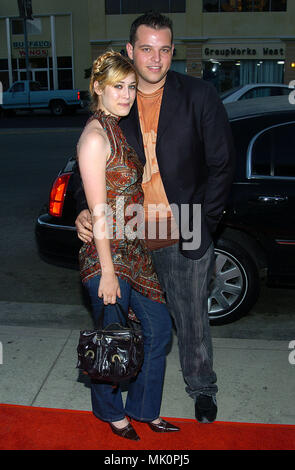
[
  {"x": 78, "y": 95},
  {"x": 57, "y": 195}
]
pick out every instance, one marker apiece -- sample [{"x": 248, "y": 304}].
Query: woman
[{"x": 113, "y": 266}]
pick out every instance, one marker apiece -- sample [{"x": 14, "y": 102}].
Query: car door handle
[{"x": 272, "y": 199}]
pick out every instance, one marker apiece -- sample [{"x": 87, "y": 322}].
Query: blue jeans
[
  {"x": 186, "y": 284},
  {"x": 145, "y": 391}
]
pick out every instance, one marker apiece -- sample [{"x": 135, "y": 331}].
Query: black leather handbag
[{"x": 113, "y": 353}]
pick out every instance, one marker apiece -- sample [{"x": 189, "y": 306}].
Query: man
[{"x": 179, "y": 129}]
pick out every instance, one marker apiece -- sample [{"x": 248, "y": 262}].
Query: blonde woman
[{"x": 116, "y": 268}]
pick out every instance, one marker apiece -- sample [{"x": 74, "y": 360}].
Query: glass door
[
  {"x": 23, "y": 75},
  {"x": 41, "y": 76}
]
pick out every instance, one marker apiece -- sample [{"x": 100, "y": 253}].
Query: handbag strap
[{"x": 121, "y": 310}]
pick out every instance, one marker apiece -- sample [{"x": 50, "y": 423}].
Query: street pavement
[{"x": 38, "y": 368}]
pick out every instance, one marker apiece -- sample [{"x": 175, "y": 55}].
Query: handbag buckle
[
  {"x": 90, "y": 353},
  {"x": 116, "y": 356}
]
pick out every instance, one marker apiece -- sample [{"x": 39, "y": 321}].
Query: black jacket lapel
[{"x": 170, "y": 100}]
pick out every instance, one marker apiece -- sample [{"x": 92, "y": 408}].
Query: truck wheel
[
  {"x": 57, "y": 108},
  {"x": 235, "y": 285}
]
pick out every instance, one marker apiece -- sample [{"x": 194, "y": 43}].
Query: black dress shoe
[
  {"x": 205, "y": 408},
  {"x": 163, "y": 426},
  {"x": 128, "y": 432}
]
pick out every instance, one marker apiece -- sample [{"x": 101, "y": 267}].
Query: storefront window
[
  {"x": 261, "y": 5},
  {"x": 223, "y": 75},
  {"x": 244, "y": 5},
  {"x": 65, "y": 80},
  {"x": 278, "y": 5},
  {"x": 119, "y": 7},
  {"x": 64, "y": 73},
  {"x": 210, "y": 5},
  {"x": 39, "y": 63},
  {"x": 64, "y": 62},
  {"x": 229, "y": 74},
  {"x": 267, "y": 71},
  {"x": 41, "y": 70}
]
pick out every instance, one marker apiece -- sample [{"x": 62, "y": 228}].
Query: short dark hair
[{"x": 153, "y": 19}]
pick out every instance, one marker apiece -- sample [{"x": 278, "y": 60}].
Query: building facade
[
  {"x": 229, "y": 42},
  {"x": 58, "y": 44}
]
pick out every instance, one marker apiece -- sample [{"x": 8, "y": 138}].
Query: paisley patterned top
[{"x": 131, "y": 258}]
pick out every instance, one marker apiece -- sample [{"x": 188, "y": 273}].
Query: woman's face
[{"x": 117, "y": 99}]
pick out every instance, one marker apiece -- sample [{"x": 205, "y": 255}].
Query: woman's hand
[{"x": 109, "y": 288}]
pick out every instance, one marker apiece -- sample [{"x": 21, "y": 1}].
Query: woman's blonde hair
[{"x": 108, "y": 69}]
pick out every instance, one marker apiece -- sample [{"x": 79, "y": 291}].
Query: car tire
[
  {"x": 235, "y": 285},
  {"x": 57, "y": 108}
]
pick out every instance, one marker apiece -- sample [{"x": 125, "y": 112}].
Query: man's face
[{"x": 152, "y": 55}]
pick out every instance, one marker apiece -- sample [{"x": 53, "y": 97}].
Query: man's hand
[{"x": 84, "y": 226}]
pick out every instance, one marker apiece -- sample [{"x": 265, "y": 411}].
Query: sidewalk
[{"x": 255, "y": 379}]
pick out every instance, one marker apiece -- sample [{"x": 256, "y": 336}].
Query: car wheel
[
  {"x": 57, "y": 108},
  {"x": 235, "y": 284}
]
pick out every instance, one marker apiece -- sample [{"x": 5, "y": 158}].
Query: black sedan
[{"x": 256, "y": 236}]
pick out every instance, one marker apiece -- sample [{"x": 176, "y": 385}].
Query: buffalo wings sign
[{"x": 36, "y": 48}]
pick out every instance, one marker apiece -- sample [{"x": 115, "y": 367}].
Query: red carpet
[{"x": 34, "y": 428}]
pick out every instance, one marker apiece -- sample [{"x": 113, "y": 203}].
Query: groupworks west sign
[{"x": 243, "y": 51}]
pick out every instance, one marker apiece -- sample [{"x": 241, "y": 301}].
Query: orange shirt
[{"x": 161, "y": 229}]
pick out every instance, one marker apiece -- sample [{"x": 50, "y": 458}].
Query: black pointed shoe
[
  {"x": 163, "y": 426},
  {"x": 128, "y": 432}
]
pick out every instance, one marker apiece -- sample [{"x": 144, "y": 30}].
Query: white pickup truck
[{"x": 27, "y": 94}]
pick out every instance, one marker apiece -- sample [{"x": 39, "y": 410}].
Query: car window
[
  {"x": 273, "y": 152},
  {"x": 35, "y": 86},
  {"x": 260, "y": 92},
  {"x": 18, "y": 87},
  {"x": 229, "y": 92},
  {"x": 285, "y": 91}
]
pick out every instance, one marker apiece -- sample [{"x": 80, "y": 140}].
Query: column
[
  {"x": 53, "y": 52},
  {"x": 9, "y": 51}
]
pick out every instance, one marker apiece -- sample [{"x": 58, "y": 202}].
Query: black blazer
[{"x": 194, "y": 150}]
